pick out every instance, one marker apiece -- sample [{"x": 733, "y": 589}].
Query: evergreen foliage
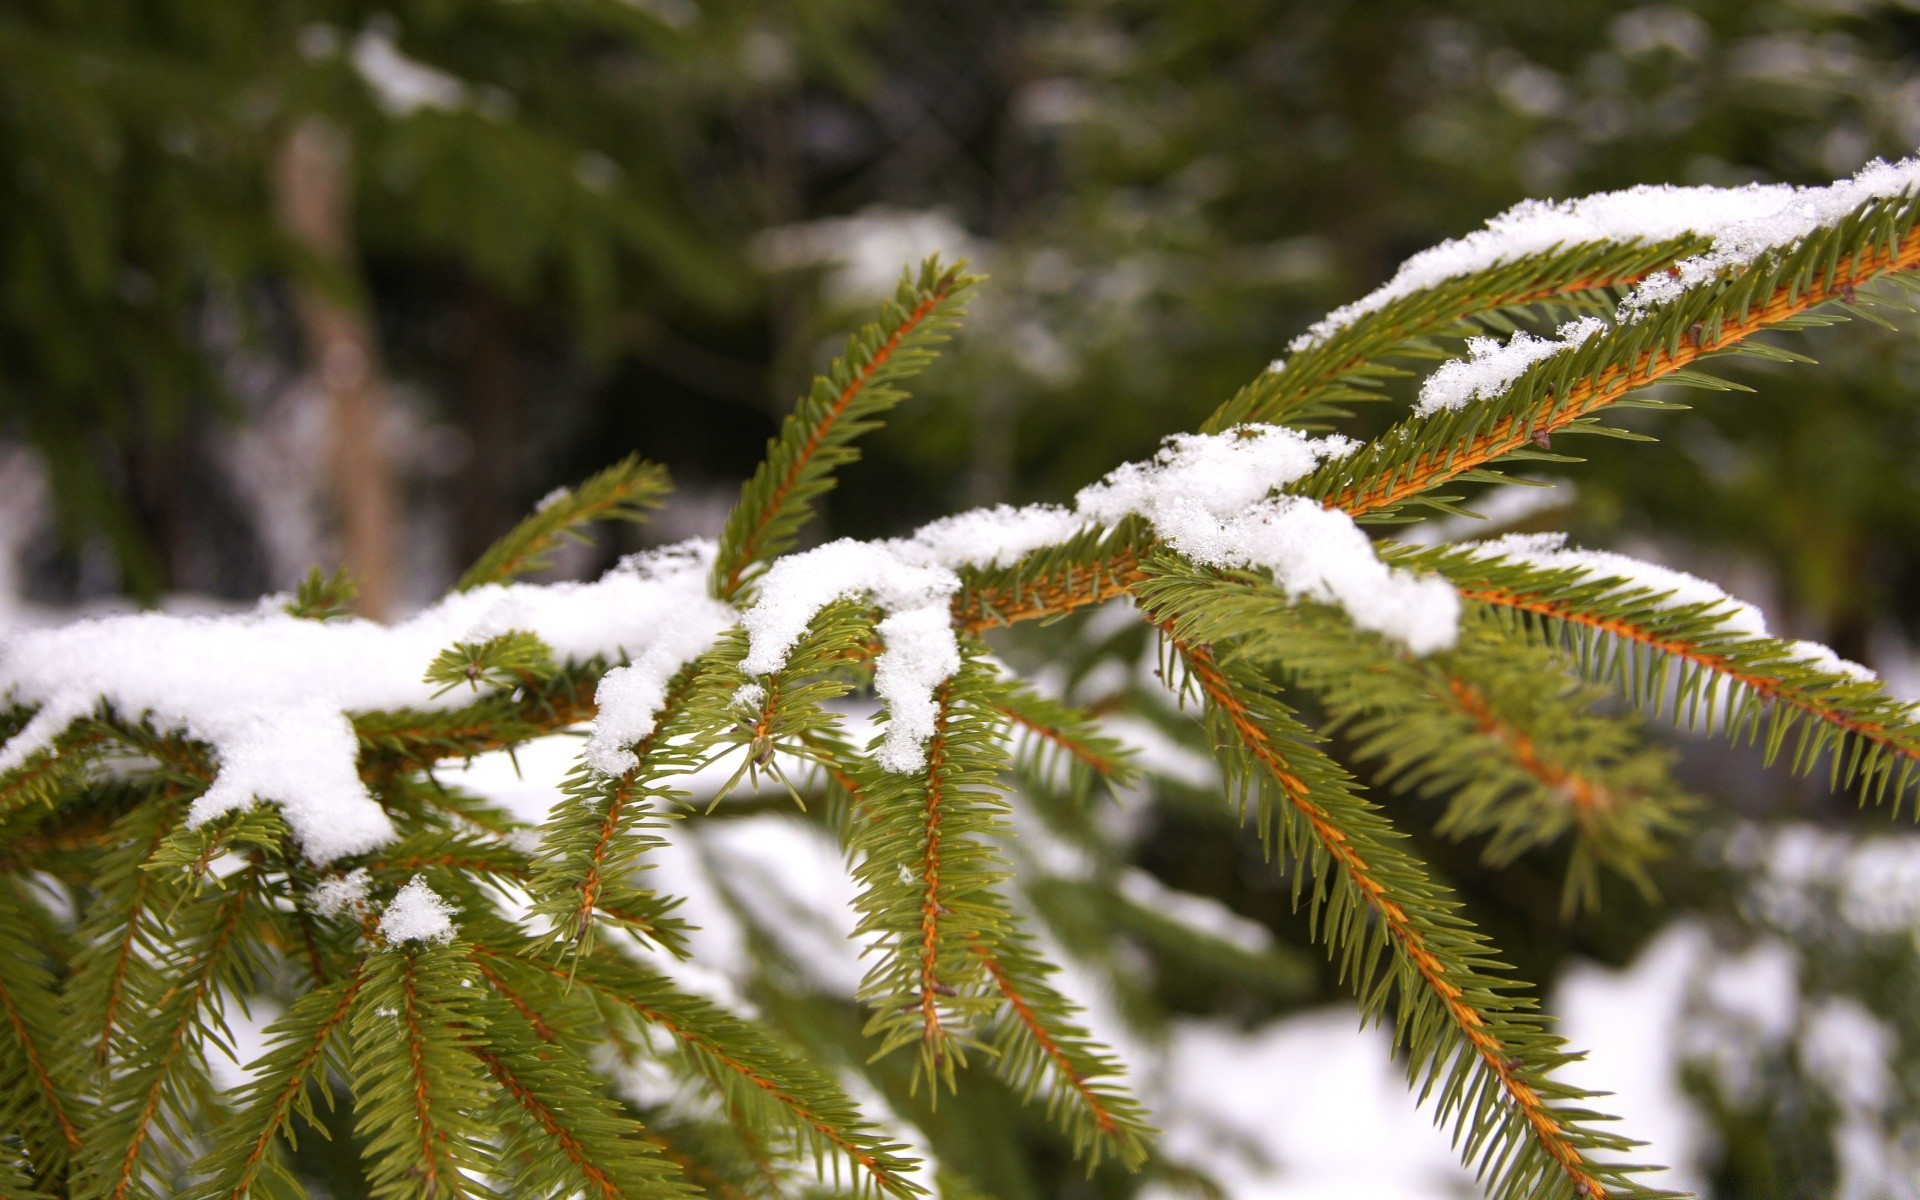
[{"x": 483, "y": 1002}]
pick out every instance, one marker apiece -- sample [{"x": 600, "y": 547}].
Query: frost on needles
[{"x": 210, "y": 807}]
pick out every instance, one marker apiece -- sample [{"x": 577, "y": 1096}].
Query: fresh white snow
[
  {"x": 272, "y": 694},
  {"x": 417, "y": 913},
  {"x": 1742, "y": 222},
  {"x": 1491, "y": 366}
]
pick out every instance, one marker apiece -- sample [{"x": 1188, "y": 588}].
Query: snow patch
[
  {"x": 1743, "y": 222},
  {"x": 272, "y": 694},
  {"x": 417, "y": 914},
  {"x": 1490, "y": 367}
]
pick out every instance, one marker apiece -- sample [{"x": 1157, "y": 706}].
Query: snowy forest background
[{"x": 532, "y": 237}]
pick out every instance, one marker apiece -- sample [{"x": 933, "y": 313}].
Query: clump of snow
[
  {"x": 798, "y": 586},
  {"x": 417, "y": 914},
  {"x": 920, "y": 647},
  {"x": 1208, "y": 497},
  {"x": 272, "y": 694},
  {"x": 921, "y": 653},
  {"x": 630, "y": 697},
  {"x": 1675, "y": 589},
  {"x": 342, "y": 893},
  {"x": 750, "y": 696},
  {"x": 1490, "y": 367},
  {"x": 989, "y": 537},
  {"x": 1743, "y": 222}
]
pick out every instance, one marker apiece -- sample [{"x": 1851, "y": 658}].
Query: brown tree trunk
[
  {"x": 313, "y": 188},
  {"x": 485, "y": 504}
]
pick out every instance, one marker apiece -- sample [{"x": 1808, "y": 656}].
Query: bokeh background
[{"x": 304, "y": 282}]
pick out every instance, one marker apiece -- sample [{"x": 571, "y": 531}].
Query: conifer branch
[
  {"x": 1039, "y": 1043},
  {"x": 625, "y": 491},
  {"x": 1496, "y": 728},
  {"x": 1562, "y": 393},
  {"x": 1058, "y": 730},
  {"x": 841, "y": 405},
  {"x": 418, "y": 1102},
  {"x": 155, "y": 1053},
  {"x": 1337, "y": 368},
  {"x": 1756, "y": 686},
  {"x": 1481, "y": 1047},
  {"x": 604, "y": 1153},
  {"x": 739, "y": 1059},
  {"x": 300, "y": 1043},
  {"x": 588, "y": 853},
  {"x": 1409, "y": 940},
  {"x": 928, "y": 871},
  {"x": 34, "y": 1103}
]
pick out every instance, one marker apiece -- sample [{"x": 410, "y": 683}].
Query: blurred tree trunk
[
  {"x": 313, "y": 188},
  {"x": 485, "y": 499}
]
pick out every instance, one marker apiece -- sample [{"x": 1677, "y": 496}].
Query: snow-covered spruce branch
[{"x": 212, "y": 808}]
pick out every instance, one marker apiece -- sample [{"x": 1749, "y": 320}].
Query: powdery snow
[
  {"x": 340, "y": 894},
  {"x": 417, "y": 914},
  {"x": 272, "y": 694},
  {"x": 1676, "y": 589},
  {"x": 1491, "y": 367},
  {"x": 920, "y": 654},
  {"x": 1210, "y": 496},
  {"x": 1743, "y": 223},
  {"x": 1791, "y": 214}
]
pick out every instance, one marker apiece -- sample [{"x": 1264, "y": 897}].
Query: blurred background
[{"x": 305, "y": 282}]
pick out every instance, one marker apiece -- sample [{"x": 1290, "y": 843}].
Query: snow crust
[
  {"x": 1677, "y": 590},
  {"x": 417, "y": 913},
  {"x": 1743, "y": 222},
  {"x": 272, "y": 694}
]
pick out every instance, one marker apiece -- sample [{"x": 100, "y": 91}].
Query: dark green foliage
[
  {"x": 1494, "y": 726},
  {"x": 1690, "y": 664},
  {"x": 1480, "y": 1050},
  {"x": 928, "y": 871}
]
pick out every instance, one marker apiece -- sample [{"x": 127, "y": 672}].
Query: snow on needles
[
  {"x": 272, "y": 693},
  {"x": 1676, "y": 589},
  {"x": 1742, "y": 223},
  {"x": 1490, "y": 367},
  {"x": 417, "y": 913},
  {"x": 1210, "y": 497}
]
